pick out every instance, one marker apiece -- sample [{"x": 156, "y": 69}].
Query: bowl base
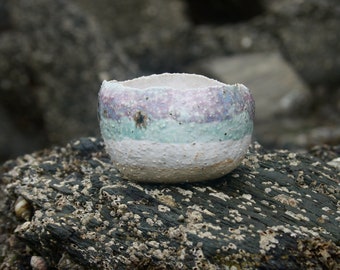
[{"x": 177, "y": 175}]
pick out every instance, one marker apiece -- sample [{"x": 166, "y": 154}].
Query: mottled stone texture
[
  {"x": 53, "y": 59},
  {"x": 278, "y": 210}
]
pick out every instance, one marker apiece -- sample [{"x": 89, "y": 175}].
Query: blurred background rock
[{"x": 54, "y": 55}]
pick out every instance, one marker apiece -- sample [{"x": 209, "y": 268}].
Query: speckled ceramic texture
[{"x": 175, "y": 127}]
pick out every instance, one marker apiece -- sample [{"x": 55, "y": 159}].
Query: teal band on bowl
[{"x": 171, "y": 131}]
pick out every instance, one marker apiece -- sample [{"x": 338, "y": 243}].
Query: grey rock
[{"x": 277, "y": 210}]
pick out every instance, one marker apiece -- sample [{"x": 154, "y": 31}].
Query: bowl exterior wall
[{"x": 163, "y": 134}]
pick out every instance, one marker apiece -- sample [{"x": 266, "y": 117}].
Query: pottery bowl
[{"x": 170, "y": 128}]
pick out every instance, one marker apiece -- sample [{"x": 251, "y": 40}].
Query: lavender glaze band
[{"x": 175, "y": 127}]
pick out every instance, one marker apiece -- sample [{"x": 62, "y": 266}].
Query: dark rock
[
  {"x": 154, "y": 33},
  {"x": 4, "y": 16},
  {"x": 53, "y": 59},
  {"x": 223, "y": 11},
  {"x": 277, "y": 210},
  {"x": 15, "y": 140}
]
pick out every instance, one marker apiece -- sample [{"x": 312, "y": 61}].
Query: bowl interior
[{"x": 177, "y": 81}]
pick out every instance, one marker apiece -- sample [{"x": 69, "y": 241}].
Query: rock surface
[{"x": 277, "y": 210}]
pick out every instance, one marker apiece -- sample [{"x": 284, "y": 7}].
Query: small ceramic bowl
[{"x": 172, "y": 128}]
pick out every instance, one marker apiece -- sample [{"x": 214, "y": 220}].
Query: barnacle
[
  {"x": 38, "y": 263},
  {"x": 22, "y": 208}
]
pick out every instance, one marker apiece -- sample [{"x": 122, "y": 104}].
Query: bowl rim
[{"x": 201, "y": 82}]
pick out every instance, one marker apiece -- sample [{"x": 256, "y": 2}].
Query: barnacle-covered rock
[{"x": 277, "y": 210}]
